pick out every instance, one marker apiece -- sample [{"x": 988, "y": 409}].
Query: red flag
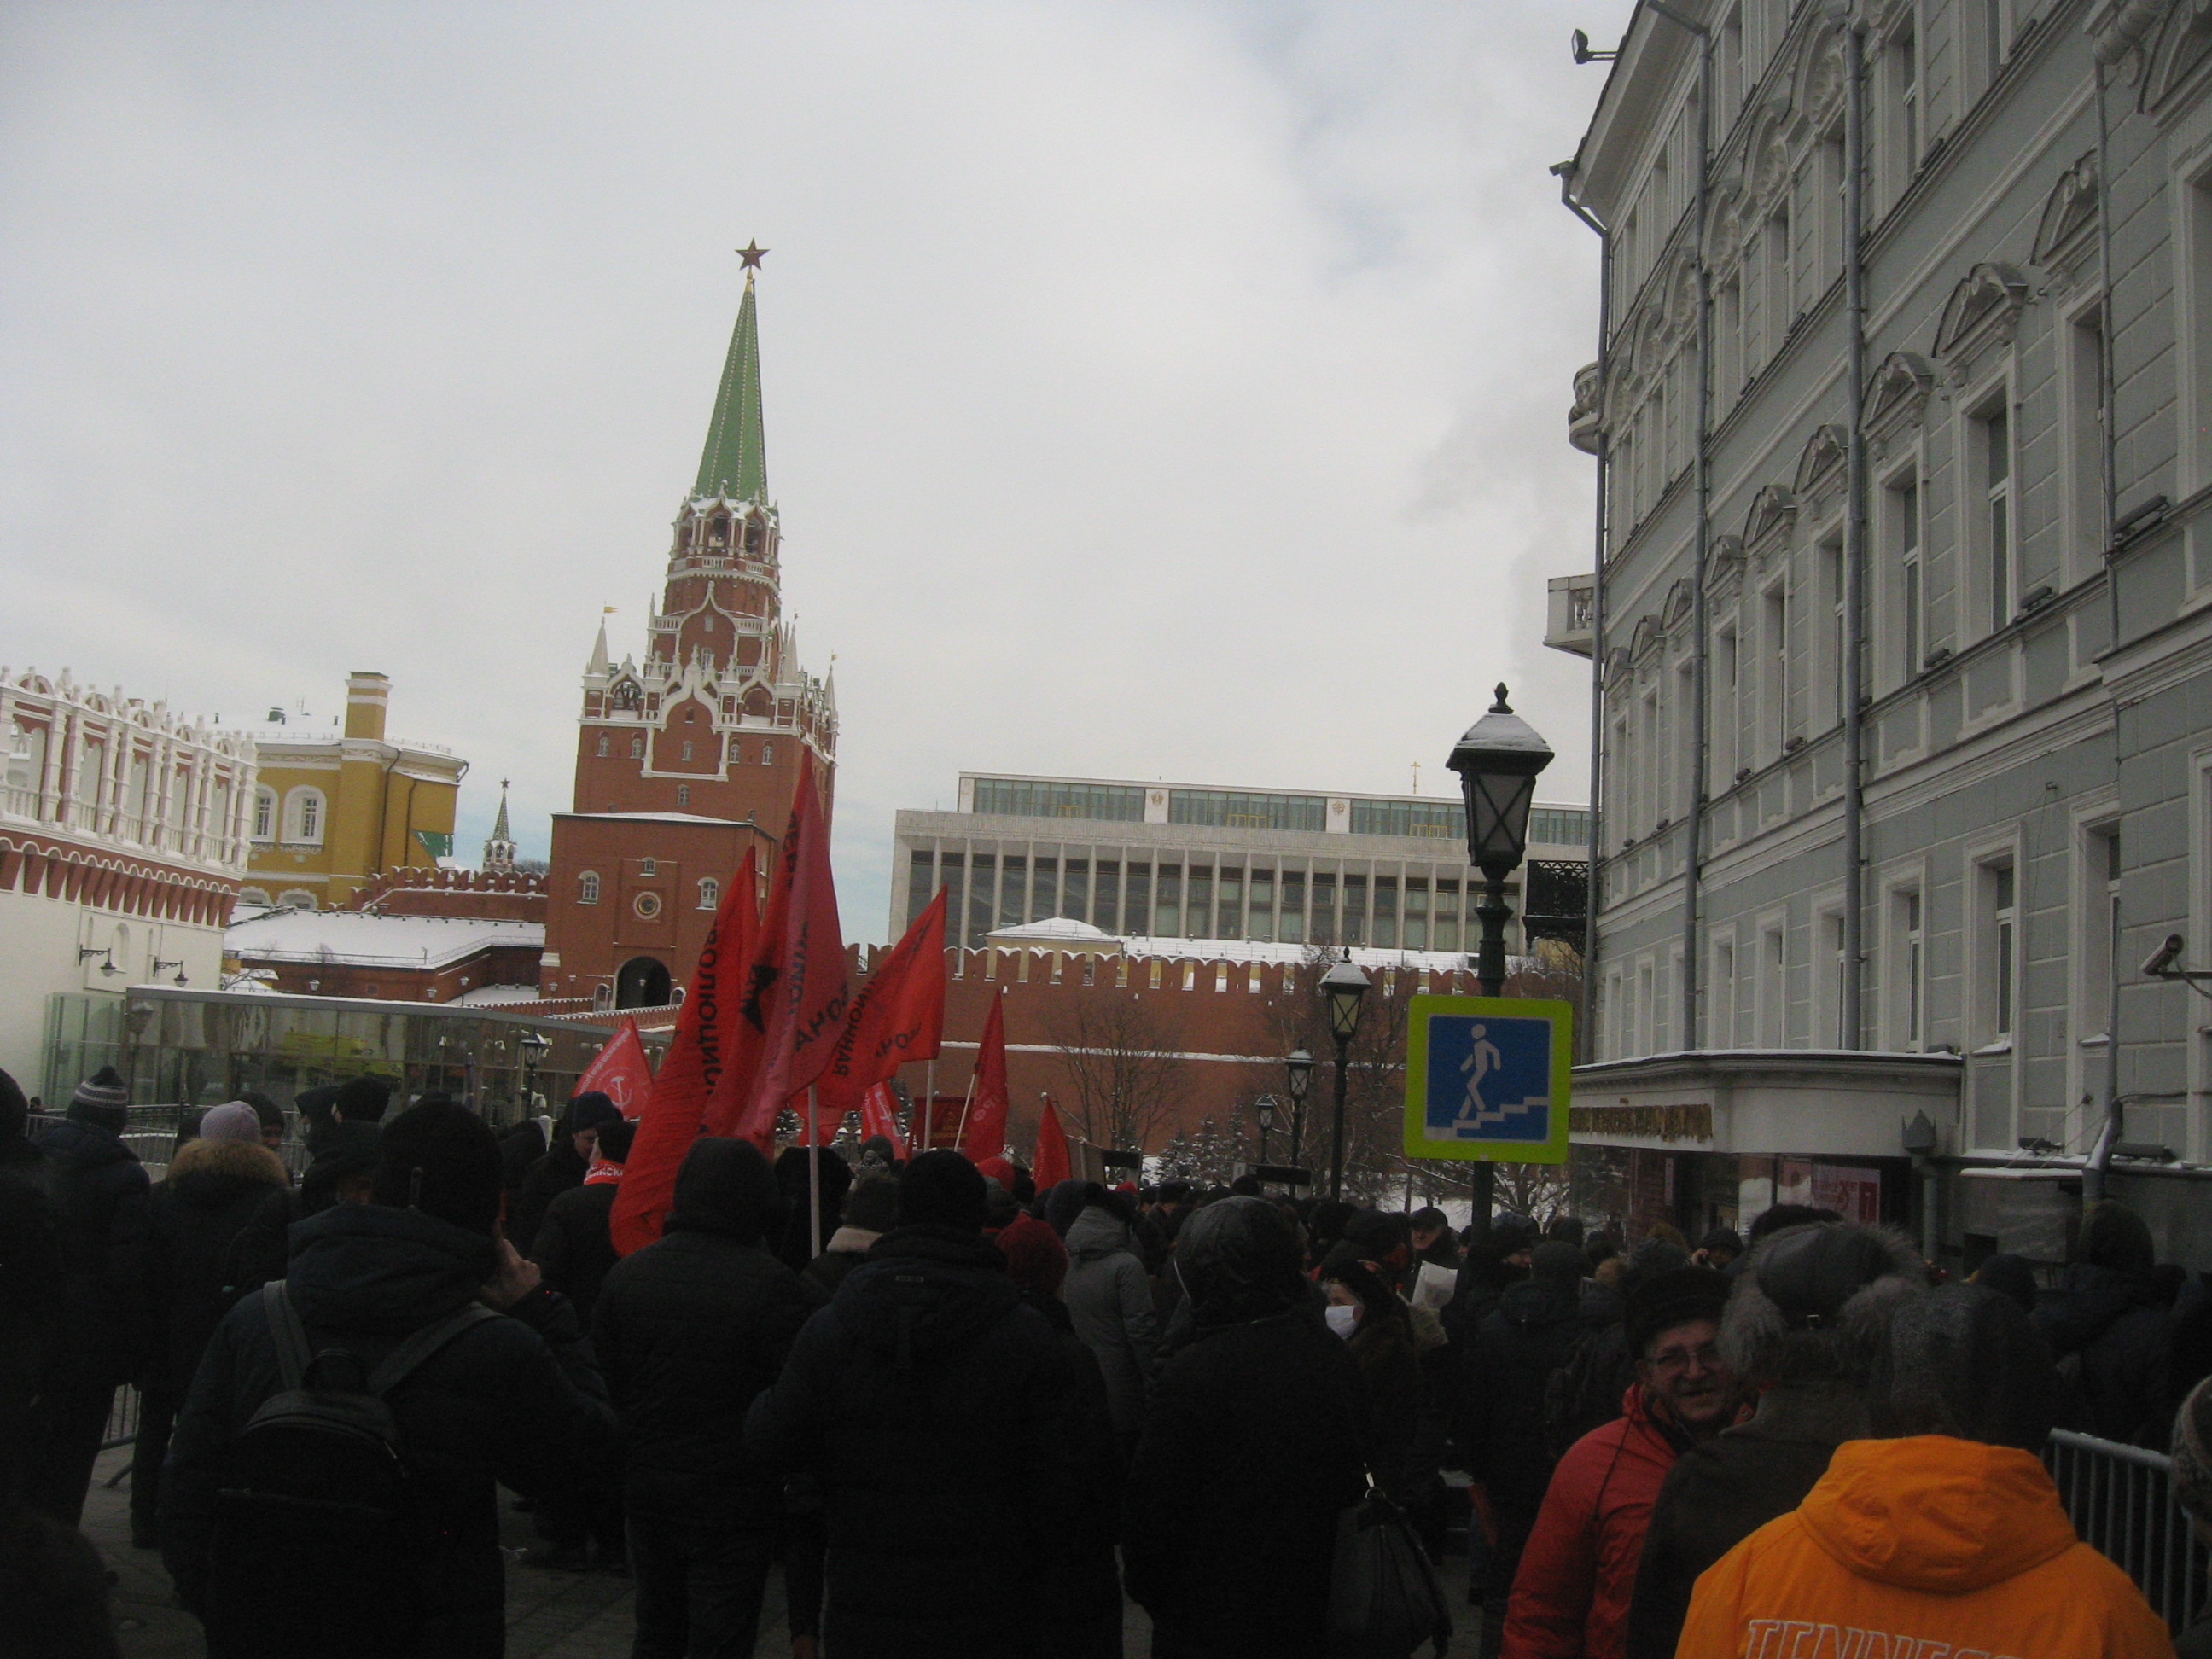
[
  {"x": 983, "y": 1127},
  {"x": 675, "y": 1105},
  {"x": 879, "y": 1117},
  {"x": 795, "y": 1001},
  {"x": 621, "y": 1072},
  {"x": 1050, "y": 1165},
  {"x": 898, "y": 1015}
]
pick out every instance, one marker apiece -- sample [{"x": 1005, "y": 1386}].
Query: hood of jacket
[
  {"x": 1094, "y": 1235},
  {"x": 725, "y": 1186},
  {"x": 333, "y": 1138},
  {"x": 209, "y": 1174},
  {"x": 924, "y": 1291},
  {"x": 375, "y": 1268},
  {"x": 2089, "y": 1300},
  {"x": 86, "y": 1146},
  {"x": 1938, "y": 1515},
  {"x": 1536, "y": 1302}
]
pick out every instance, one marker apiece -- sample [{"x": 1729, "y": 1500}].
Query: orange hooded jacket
[{"x": 1920, "y": 1548}]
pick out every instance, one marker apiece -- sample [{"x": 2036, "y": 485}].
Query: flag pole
[
  {"x": 960, "y": 1135},
  {"x": 928, "y": 1105},
  {"x": 814, "y": 1170}
]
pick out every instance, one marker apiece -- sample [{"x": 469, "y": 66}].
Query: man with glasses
[{"x": 1572, "y": 1595}]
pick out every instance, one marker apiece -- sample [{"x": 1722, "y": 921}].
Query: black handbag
[{"x": 1383, "y": 1598}]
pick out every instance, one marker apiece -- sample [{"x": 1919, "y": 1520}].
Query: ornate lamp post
[
  {"x": 1264, "y": 1109},
  {"x": 1498, "y": 761},
  {"x": 1298, "y": 1067},
  {"x": 535, "y": 1046},
  {"x": 1342, "y": 985}
]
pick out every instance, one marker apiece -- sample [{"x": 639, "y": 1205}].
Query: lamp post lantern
[
  {"x": 1342, "y": 985},
  {"x": 1264, "y": 1109},
  {"x": 1298, "y": 1066},
  {"x": 535, "y": 1046},
  {"x": 1497, "y": 760}
]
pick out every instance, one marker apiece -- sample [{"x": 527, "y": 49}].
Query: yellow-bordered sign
[{"x": 1486, "y": 1078}]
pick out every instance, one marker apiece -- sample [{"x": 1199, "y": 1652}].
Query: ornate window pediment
[
  {"x": 1676, "y": 608},
  {"x": 1642, "y": 636},
  {"x": 1820, "y": 466},
  {"x": 2066, "y": 236},
  {"x": 1773, "y": 510},
  {"x": 1723, "y": 563},
  {"x": 1616, "y": 665},
  {"x": 1820, "y": 91},
  {"x": 2184, "y": 45},
  {"x": 1981, "y": 311},
  {"x": 1898, "y": 396}
]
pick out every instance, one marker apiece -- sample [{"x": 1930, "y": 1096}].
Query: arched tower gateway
[{"x": 689, "y": 757}]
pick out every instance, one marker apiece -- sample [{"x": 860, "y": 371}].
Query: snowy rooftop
[
  {"x": 1056, "y": 927},
  {"x": 352, "y": 936},
  {"x": 1062, "y": 932}
]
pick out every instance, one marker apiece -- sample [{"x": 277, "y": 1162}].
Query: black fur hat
[{"x": 1814, "y": 1301}]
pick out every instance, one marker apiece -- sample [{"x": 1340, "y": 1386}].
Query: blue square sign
[{"x": 1486, "y": 1077}]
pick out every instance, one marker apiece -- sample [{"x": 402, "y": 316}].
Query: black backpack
[{"x": 321, "y": 1537}]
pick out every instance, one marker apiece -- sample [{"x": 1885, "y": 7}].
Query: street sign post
[{"x": 1486, "y": 1078}]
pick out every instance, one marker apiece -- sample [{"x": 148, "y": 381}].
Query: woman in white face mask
[{"x": 1365, "y": 1312}]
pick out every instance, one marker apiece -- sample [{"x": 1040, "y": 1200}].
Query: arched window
[
  {"x": 602, "y": 745},
  {"x": 303, "y": 816},
  {"x": 587, "y": 888},
  {"x": 768, "y": 754},
  {"x": 683, "y": 794},
  {"x": 252, "y": 896},
  {"x": 298, "y": 898},
  {"x": 710, "y": 893},
  {"x": 686, "y": 751},
  {"x": 737, "y": 752},
  {"x": 265, "y": 814},
  {"x": 637, "y": 748}
]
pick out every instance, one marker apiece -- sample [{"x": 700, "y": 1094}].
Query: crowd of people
[{"x": 962, "y": 1417}]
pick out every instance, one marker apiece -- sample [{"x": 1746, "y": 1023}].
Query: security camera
[
  {"x": 2160, "y": 964},
  {"x": 1585, "y": 55}
]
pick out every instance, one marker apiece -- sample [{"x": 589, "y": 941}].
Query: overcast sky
[{"x": 1153, "y": 390}]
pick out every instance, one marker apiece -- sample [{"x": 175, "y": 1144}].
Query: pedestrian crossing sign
[{"x": 1486, "y": 1078}]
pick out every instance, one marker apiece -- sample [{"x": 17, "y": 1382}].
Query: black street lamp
[
  {"x": 535, "y": 1046},
  {"x": 1298, "y": 1066},
  {"x": 1498, "y": 761},
  {"x": 1264, "y": 1109},
  {"x": 1342, "y": 985}
]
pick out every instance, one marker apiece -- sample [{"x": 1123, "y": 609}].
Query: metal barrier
[
  {"x": 2121, "y": 1501},
  {"x": 122, "y": 1419}
]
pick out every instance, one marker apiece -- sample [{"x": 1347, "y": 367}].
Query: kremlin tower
[{"x": 686, "y": 759}]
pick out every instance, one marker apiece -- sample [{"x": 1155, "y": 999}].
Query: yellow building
[{"x": 333, "y": 807}]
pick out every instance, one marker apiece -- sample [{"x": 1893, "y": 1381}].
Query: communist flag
[
  {"x": 983, "y": 1127},
  {"x": 879, "y": 1117},
  {"x": 621, "y": 1072},
  {"x": 1050, "y": 1165},
  {"x": 794, "y": 1001},
  {"x": 675, "y": 1105},
  {"x": 898, "y": 1016}
]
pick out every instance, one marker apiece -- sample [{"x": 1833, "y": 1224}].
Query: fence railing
[
  {"x": 122, "y": 1419},
  {"x": 2122, "y": 1503}
]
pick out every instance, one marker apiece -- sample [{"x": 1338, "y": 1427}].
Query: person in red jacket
[{"x": 1578, "y": 1574}]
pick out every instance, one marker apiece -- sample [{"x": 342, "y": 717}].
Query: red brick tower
[{"x": 689, "y": 757}]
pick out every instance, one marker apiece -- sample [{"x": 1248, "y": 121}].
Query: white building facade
[
  {"x": 122, "y": 841},
  {"x": 1902, "y": 642}
]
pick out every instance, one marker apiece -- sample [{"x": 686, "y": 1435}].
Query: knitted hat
[
  {"x": 235, "y": 1121},
  {"x": 615, "y": 1139},
  {"x": 592, "y": 1110},
  {"x": 941, "y": 1189},
  {"x": 2192, "y": 1453},
  {"x": 270, "y": 1114},
  {"x": 1815, "y": 1303},
  {"x": 1659, "y": 1304},
  {"x": 442, "y": 1159},
  {"x": 362, "y": 1099},
  {"x": 1966, "y": 1361},
  {"x": 1556, "y": 1262},
  {"x": 103, "y": 1098},
  {"x": 871, "y": 1206},
  {"x": 1036, "y": 1260}
]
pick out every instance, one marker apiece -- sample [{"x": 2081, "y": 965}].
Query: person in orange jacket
[
  {"x": 1948, "y": 1538},
  {"x": 1578, "y": 1573}
]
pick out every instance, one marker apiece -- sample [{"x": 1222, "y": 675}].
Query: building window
[
  {"x": 297, "y": 898},
  {"x": 1778, "y": 660},
  {"x": 1832, "y": 577},
  {"x": 1901, "y": 66},
  {"x": 303, "y": 816},
  {"x": 683, "y": 794},
  {"x": 710, "y": 893},
  {"x": 1992, "y": 435},
  {"x": 265, "y": 814},
  {"x": 1912, "y": 971},
  {"x": 2100, "y": 925},
  {"x": 2000, "y": 964},
  {"x": 252, "y": 896},
  {"x": 686, "y": 751},
  {"x": 2084, "y": 440},
  {"x": 737, "y": 752},
  {"x": 768, "y": 754},
  {"x": 587, "y": 887},
  {"x": 637, "y": 748},
  {"x": 604, "y": 745},
  {"x": 648, "y": 866},
  {"x": 1904, "y": 504}
]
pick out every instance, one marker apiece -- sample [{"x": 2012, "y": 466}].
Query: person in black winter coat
[
  {"x": 564, "y": 1165},
  {"x": 939, "y": 1413},
  {"x": 871, "y": 1211},
  {"x": 575, "y": 1248},
  {"x": 690, "y": 1329},
  {"x": 1504, "y": 1376},
  {"x": 1250, "y": 1449},
  {"x": 513, "y": 1401},
  {"x": 795, "y": 1179},
  {"x": 1586, "y": 1392},
  {"x": 1804, "y": 1325},
  {"x": 99, "y": 1193},
  {"x": 214, "y": 1188},
  {"x": 30, "y": 1280},
  {"x": 2111, "y": 1316}
]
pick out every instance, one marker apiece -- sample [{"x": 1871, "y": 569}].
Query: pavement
[{"x": 550, "y": 1615}]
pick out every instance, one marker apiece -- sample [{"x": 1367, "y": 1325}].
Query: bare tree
[{"x": 1120, "y": 1057}]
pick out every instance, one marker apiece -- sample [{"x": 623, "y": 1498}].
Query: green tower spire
[{"x": 735, "y": 461}]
